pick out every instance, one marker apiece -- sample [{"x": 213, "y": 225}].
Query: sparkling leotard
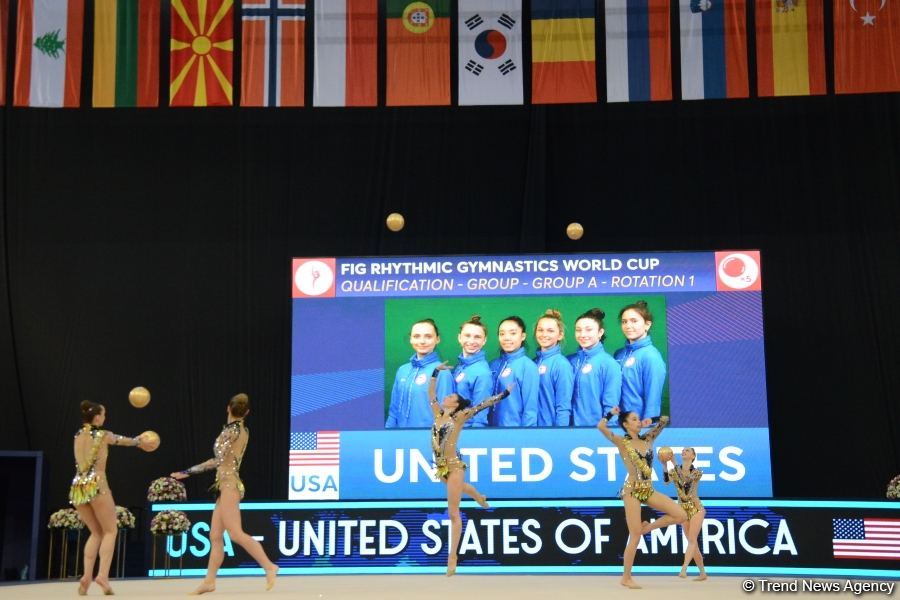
[
  {"x": 445, "y": 435},
  {"x": 228, "y": 451},
  {"x": 686, "y": 486},
  {"x": 639, "y": 466},
  {"x": 91, "y": 448}
]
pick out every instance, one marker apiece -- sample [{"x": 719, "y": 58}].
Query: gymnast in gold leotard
[
  {"x": 449, "y": 417},
  {"x": 228, "y": 451},
  {"x": 636, "y": 451},
  {"x": 686, "y": 479},
  {"x": 90, "y": 493}
]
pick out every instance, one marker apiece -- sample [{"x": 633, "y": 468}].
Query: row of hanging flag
[{"x": 790, "y": 51}]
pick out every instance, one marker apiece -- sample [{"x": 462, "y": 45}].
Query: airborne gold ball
[
  {"x": 149, "y": 441},
  {"x": 665, "y": 454},
  {"x": 139, "y": 397},
  {"x": 395, "y": 221},
  {"x": 574, "y": 231}
]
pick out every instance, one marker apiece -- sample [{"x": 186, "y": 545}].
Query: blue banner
[
  {"x": 521, "y": 463},
  {"x": 518, "y": 275}
]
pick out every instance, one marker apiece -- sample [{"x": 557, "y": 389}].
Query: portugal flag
[
  {"x": 202, "y": 53},
  {"x": 418, "y": 52},
  {"x": 866, "y": 46}
]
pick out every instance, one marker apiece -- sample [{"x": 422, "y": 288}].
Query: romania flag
[
  {"x": 418, "y": 52},
  {"x": 126, "y": 53},
  {"x": 202, "y": 53},
  {"x": 790, "y": 48},
  {"x": 563, "y": 68}
]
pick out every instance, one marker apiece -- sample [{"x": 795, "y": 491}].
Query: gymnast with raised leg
[
  {"x": 636, "y": 451},
  {"x": 450, "y": 415},
  {"x": 228, "y": 451},
  {"x": 90, "y": 493},
  {"x": 686, "y": 479}
]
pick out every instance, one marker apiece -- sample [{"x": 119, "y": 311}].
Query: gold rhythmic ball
[
  {"x": 395, "y": 221},
  {"x": 150, "y": 441},
  {"x": 574, "y": 231},
  {"x": 665, "y": 454},
  {"x": 139, "y": 397}
]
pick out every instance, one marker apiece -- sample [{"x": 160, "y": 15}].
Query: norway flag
[
  {"x": 273, "y": 52},
  {"x": 713, "y": 49}
]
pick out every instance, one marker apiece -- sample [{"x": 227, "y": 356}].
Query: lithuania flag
[
  {"x": 418, "y": 52},
  {"x": 126, "y": 53}
]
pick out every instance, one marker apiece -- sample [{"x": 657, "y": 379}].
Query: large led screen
[{"x": 662, "y": 334}]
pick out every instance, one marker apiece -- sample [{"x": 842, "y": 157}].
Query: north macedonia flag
[{"x": 202, "y": 53}]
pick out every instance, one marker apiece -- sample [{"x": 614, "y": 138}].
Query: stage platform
[{"x": 419, "y": 587}]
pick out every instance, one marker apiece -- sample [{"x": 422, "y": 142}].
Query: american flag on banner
[
  {"x": 315, "y": 449},
  {"x": 873, "y": 539}
]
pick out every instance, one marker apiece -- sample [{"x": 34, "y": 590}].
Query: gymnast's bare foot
[
  {"x": 451, "y": 565},
  {"x": 701, "y": 578},
  {"x": 271, "y": 573},
  {"x": 204, "y": 588},
  {"x": 683, "y": 574},
  {"x": 103, "y": 582},
  {"x": 83, "y": 584},
  {"x": 630, "y": 584},
  {"x": 482, "y": 501}
]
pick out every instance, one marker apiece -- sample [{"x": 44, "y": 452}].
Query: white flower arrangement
[
  {"x": 124, "y": 518},
  {"x": 166, "y": 489},
  {"x": 169, "y": 522},
  {"x": 893, "y": 488},
  {"x": 65, "y": 518}
]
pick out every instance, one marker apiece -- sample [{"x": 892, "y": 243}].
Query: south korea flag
[{"x": 490, "y": 52}]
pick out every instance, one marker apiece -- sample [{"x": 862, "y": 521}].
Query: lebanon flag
[
  {"x": 638, "y": 57},
  {"x": 48, "y": 57},
  {"x": 790, "y": 47},
  {"x": 346, "y": 53},
  {"x": 126, "y": 53},
  {"x": 201, "y": 53},
  {"x": 490, "y": 52},
  {"x": 563, "y": 67},
  {"x": 273, "y": 52},
  {"x": 713, "y": 49},
  {"x": 418, "y": 52},
  {"x": 866, "y": 46}
]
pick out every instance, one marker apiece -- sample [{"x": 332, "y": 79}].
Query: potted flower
[
  {"x": 166, "y": 489},
  {"x": 169, "y": 522}
]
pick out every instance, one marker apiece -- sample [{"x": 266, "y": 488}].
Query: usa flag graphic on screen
[{"x": 314, "y": 465}]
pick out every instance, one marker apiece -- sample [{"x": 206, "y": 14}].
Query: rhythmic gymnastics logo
[
  {"x": 738, "y": 271},
  {"x": 418, "y": 17},
  {"x": 314, "y": 277}
]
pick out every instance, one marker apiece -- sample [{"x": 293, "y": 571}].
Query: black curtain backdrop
[{"x": 152, "y": 247}]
